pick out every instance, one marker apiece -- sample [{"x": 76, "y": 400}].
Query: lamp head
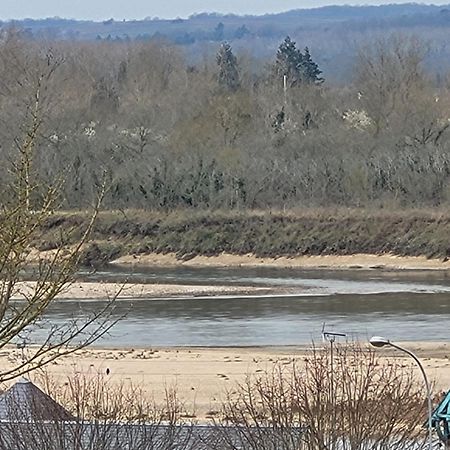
[{"x": 379, "y": 341}]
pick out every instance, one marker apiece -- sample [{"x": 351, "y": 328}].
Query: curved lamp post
[{"x": 379, "y": 341}]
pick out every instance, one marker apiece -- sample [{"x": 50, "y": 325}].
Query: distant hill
[
  {"x": 203, "y": 26},
  {"x": 333, "y": 33}
]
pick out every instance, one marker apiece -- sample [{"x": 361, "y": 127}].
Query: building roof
[{"x": 24, "y": 401}]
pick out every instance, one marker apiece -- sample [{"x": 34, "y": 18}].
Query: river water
[{"x": 404, "y": 305}]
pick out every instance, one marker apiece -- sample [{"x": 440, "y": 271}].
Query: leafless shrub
[
  {"x": 106, "y": 416},
  {"x": 359, "y": 402},
  {"x": 260, "y": 415}
]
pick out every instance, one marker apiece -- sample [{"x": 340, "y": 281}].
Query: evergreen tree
[
  {"x": 296, "y": 66},
  {"x": 228, "y": 68},
  {"x": 241, "y": 32},
  {"x": 219, "y": 32},
  {"x": 289, "y": 62},
  {"x": 310, "y": 70}
]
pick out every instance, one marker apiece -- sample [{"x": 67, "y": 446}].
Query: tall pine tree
[
  {"x": 310, "y": 70},
  {"x": 296, "y": 66},
  {"x": 288, "y": 63},
  {"x": 228, "y": 68},
  {"x": 219, "y": 32}
]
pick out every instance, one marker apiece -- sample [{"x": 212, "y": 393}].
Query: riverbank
[
  {"x": 366, "y": 238},
  {"x": 202, "y": 376}
]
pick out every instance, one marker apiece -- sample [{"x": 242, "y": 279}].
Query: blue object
[{"x": 440, "y": 419}]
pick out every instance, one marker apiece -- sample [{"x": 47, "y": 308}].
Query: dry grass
[{"x": 424, "y": 232}]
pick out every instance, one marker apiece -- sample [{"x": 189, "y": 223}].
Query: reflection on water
[{"x": 411, "y": 306}]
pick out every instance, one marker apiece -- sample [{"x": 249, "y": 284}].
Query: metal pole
[
  {"x": 428, "y": 389},
  {"x": 333, "y": 413},
  {"x": 331, "y": 337}
]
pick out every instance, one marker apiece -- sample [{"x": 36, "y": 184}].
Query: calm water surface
[{"x": 405, "y": 305}]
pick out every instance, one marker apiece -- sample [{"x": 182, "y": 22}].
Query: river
[{"x": 403, "y": 305}]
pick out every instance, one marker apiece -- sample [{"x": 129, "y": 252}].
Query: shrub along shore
[{"x": 264, "y": 234}]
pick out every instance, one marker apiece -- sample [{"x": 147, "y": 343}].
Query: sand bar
[
  {"x": 357, "y": 261},
  {"x": 99, "y": 290}
]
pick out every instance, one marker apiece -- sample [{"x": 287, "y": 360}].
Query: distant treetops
[{"x": 292, "y": 66}]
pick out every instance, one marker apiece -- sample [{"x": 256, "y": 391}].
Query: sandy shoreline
[
  {"x": 202, "y": 376},
  {"x": 104, "y": 290},
  {"x": 136, "y": 291},
  {"x": 356, "y": 261}
]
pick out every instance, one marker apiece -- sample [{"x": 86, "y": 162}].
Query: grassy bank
[{"x": 264, "y": 234}]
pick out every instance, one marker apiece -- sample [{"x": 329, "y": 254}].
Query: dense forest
[{"x": 232, "y": 131}]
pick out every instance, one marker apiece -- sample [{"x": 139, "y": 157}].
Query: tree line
[{"x": 228, "y": 132}]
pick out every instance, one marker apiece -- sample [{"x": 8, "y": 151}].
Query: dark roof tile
[{"x": 24, "y": 401}]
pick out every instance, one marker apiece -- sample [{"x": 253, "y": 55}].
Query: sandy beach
[
  {"x": 356, "y": 261},
  {"x": 202, "y": 376}
]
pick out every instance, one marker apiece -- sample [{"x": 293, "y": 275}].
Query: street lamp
[
  {"x": 331, "y": 338},
  {"x": 379, "y": 341}
]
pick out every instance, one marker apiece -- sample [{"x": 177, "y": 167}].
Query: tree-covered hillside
[{"x": 332, "y": 33}]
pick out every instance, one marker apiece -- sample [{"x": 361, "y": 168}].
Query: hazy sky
[{"x": 138, "y": 9}]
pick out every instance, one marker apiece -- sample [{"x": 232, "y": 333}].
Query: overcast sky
[{"x": 138, "y": 9}]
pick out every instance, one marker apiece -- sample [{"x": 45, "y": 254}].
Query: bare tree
[
  {"x": 25, "y": 206},
  {"x": 389, "y": 74}
]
